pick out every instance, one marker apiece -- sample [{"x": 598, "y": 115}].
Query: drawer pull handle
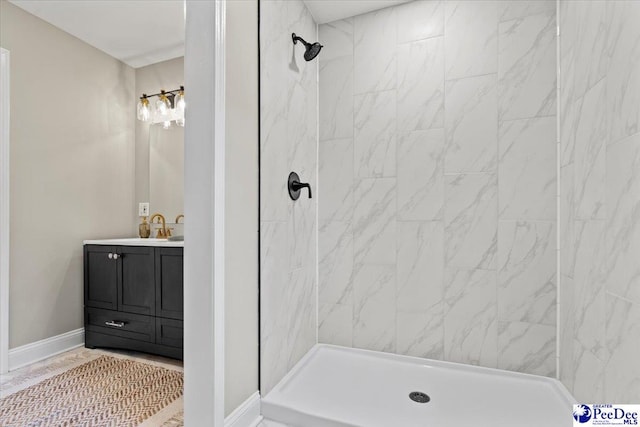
[
  {"x": 115, "y": 323},
  {"x": 110, "y": 256}
]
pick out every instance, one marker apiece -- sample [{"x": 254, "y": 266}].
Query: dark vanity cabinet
[{"x": 133, "y": 298}]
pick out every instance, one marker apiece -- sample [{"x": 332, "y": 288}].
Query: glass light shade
[
  {"x": 162, "y": 105},
  {"x": 143, "y": 110},
  {"x": 180, "y": 104}
]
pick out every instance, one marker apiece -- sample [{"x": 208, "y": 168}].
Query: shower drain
[{"x": 418, "y": 396}]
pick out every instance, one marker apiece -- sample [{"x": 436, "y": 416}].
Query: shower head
[{"x": 311, "y": 49}]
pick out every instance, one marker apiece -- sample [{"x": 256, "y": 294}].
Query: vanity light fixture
[{"x": 169, "y": 107}]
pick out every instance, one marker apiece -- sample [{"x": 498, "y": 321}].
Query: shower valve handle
[{"x": 295, "y": 186}]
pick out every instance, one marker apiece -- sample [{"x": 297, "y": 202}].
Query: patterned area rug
[{"x": 107, "y": 391}]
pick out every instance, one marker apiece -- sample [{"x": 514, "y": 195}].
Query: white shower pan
[{"x": 337, "y": 387}]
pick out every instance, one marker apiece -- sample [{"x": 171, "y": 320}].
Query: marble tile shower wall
[
  {"x": 288, "y": 142},
  {"x": 600, "y": 200},
  {"x": 437, "y": 182}
]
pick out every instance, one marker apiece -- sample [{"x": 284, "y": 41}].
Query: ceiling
[
  {"x": 324, "y": 11},
  {"x": 143, "y": 32},
  {"x": 137, "y": 32}
]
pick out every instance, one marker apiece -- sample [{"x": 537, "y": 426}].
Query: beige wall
[
  {"x": 241, "y": 290},
  {"x": 72, "y": 168},
  {"x": 167, "y": 75}
]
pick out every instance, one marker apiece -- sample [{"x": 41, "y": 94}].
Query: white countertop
[{"x": 136, "y": 241}]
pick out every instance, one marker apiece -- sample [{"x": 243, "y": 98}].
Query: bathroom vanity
[{"x": 133, "y": 295}]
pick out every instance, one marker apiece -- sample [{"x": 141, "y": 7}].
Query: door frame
[
  {"x": 204, "y": 206},
  {"x": 204, "y": 200},
  {"x": 4, "y": 210}
]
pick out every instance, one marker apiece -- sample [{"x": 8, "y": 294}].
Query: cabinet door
[
  {"x": 100, "y": 277},
  {"x": 169, "y": 332},
  {"x": 136, "y": 288},
  {"x": 169, "y": 283}
]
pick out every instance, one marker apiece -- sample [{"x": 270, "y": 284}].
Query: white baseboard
[
  {"x": 43, "y": 349},
  {"x": 247, "y": 414}
]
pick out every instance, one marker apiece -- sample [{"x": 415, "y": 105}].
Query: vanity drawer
[{"x": 117, "y": 323}]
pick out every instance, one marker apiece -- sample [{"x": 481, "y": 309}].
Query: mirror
[
  {"x": 160, "y": 151},
  {"x": 166, "y": 171}
]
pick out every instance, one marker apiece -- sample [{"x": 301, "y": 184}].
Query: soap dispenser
[{"x": 144, "y": 229}]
